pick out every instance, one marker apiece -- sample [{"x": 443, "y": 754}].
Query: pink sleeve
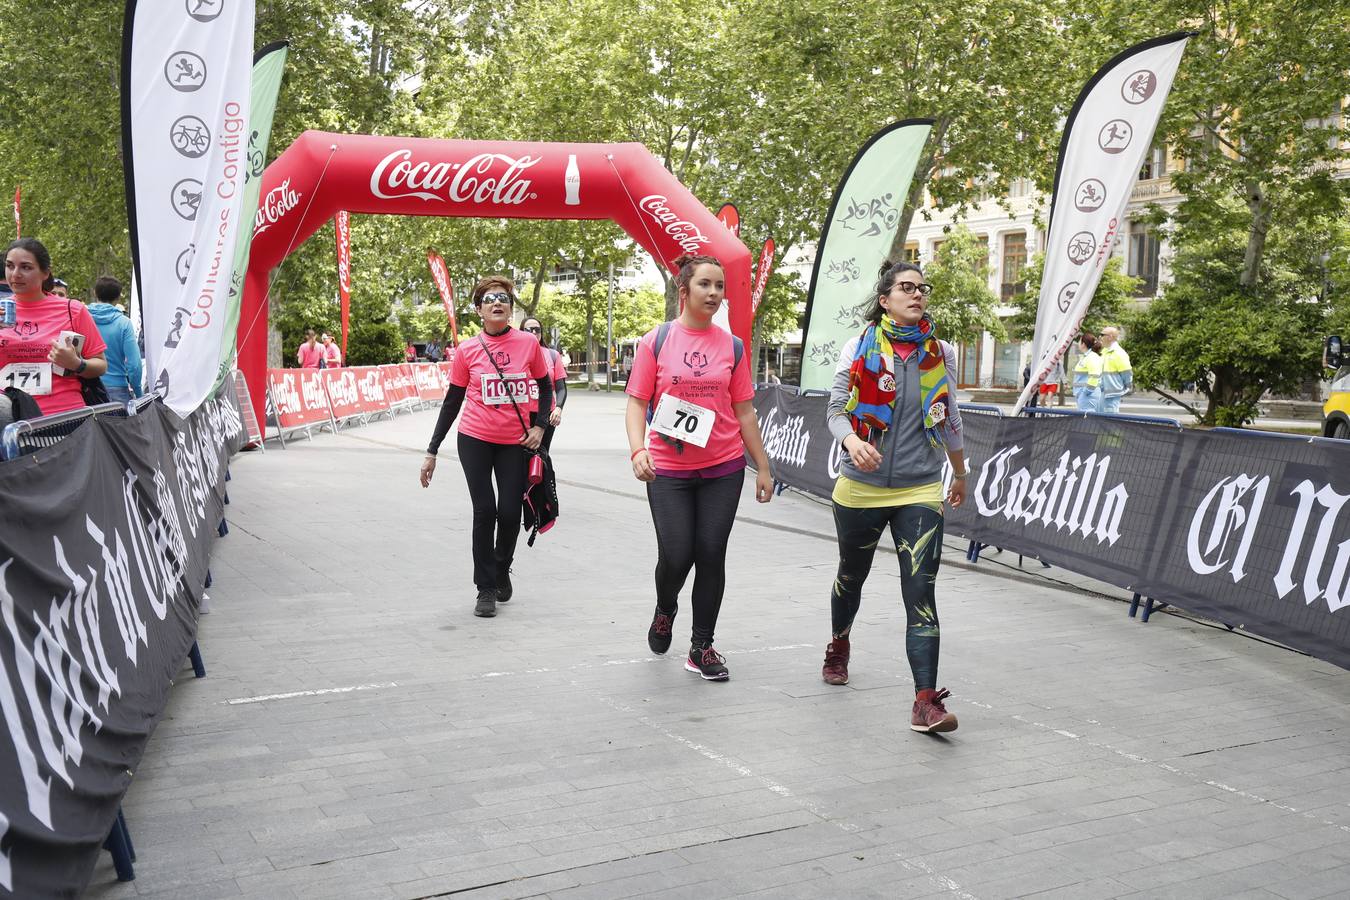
[
  {"x": 84, "y": 324},
  {"x": 642, "y": 380},
  {"x": 459, "y": 369},
  {"x": 559, "y": 370},
  {"x": 742, "y": 388},
  {"x": 539, "y": 363}
]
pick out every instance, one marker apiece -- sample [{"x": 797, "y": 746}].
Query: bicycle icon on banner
[{"x": 190, "y": 137}]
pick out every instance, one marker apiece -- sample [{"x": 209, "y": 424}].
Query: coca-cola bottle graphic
[{"x": 572, "y": 182}]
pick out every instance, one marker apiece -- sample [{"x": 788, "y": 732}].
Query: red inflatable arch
[{"x": 323, "y": 173}]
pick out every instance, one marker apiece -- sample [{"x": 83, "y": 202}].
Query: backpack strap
[{"x": 662, "y": 332}]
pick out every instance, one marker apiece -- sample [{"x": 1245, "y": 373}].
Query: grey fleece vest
[{"x": 907, "y": 457}]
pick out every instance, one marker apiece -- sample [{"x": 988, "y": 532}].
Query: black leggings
[
  {"x": 917, "y": 532},
  {"x": 693, "y": 518},
  {"x": 496, "y": 517}
]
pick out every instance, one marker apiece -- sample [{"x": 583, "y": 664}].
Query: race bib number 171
[{"x": 34, "y": 379}]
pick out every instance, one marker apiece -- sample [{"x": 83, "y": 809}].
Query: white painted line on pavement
[{"x": 337, "y": 690}]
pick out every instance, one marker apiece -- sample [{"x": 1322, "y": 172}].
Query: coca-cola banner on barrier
[
  {"x": 185, "y": 129},
  {"x": 494, "y": 179},
  {"x": 1252, "y": 530},
  {"x": 356, "y": 391},
  {"x": 102, "y": 567},
  {"x": 298, "y": 398},
  {"x": 400, "y": 385},
  {"x": 428, "y": 380},
  {"x": 443, "y": 369}
]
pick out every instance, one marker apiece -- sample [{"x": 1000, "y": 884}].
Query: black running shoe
[
  {"x": 504, "y": 589},
  {"x": 658, "y": 635},
  {"x": 487, "y": 603},
  {"x": 708, "y": 663}
]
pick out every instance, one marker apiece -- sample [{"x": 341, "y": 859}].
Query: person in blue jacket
[{"x": 123, "y": 378}]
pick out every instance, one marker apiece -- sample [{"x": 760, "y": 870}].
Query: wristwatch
[
  {"x": 960, "y": 475},
  {"x": 81, "y": 367}
]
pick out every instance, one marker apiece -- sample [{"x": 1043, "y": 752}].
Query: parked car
[{"x": 1336, "y": 412}]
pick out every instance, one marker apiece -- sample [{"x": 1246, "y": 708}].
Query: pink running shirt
[
  {"x": 487, "y": 413},
  {"x": 308, "y": 356},
  {"x": 36, "y": 328},
  {"x": 695, "y": 365},
  {"x": 553, "y": 359}
]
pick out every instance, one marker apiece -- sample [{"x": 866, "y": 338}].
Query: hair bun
[
  {"x": 682, "y": 260},
  {"x": 885, "y": 267}
]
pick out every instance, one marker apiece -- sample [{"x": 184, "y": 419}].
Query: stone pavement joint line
[{"x": 914, "y": 865}]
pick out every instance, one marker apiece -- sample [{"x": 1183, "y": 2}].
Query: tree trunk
[
  {"x": 756, "y": 336},
  {"x": 922, "y": 173},
  {"x": 590, "y": 341},
  {"x": 672, "y": 294},
  {"x": 531, "y": 308},
  {"x": 1259, "y": 204}
]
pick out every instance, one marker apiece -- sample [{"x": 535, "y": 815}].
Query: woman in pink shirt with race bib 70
[
  {"x": 691, "y": 421},
  {"x": 490, "y": 378}
]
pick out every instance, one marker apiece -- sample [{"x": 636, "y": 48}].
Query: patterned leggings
[{"x": 917, "y": 531}]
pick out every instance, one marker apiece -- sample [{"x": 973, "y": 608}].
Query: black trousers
[
  {"x": 496, "y": 515},
  {"x": 917, "y": 532},
  {"x": 693, "y": 518}
]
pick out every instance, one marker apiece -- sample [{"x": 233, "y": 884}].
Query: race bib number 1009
[{"x": 497, "y": 392}]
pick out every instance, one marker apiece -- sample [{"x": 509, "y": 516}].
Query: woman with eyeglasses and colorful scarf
[
  {"x": 557, "y": 372},
  {"x": 488, "y": 373},
  {"x": 893, "y": 409}
]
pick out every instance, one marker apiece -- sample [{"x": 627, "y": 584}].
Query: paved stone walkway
[{"x": 360, "y": 734}]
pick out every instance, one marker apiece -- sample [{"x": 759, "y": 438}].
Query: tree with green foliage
[
  {"x": 1234, "y": 342},
  {"x": 1110, "y": 301},
  {"x": 962, "y": 305}
]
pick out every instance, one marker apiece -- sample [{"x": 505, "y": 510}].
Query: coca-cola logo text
[
  {"x": 485, "y": 178},
  {"x": 682, "y": 231},
  {"x": 279, "y": 201}
]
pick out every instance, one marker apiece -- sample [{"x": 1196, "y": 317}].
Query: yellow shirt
[{"x": 856, "y": 495}]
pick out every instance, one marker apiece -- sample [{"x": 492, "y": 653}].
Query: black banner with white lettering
[
  {"x": 104, "y": 543},
  {"x": 1252, "y": 530}
]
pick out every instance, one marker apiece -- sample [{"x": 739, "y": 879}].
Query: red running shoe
[
  {"x": 930, "y": 716},
  {"x": 835, "y": 670}
]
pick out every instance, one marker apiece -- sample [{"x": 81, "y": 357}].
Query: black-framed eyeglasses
[
  {"x": 496, "y": 297},
  {"x": 535, "y": 329},
  {"x": 909, "y": 287}
]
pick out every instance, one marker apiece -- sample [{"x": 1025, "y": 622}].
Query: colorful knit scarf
[{"x": 871, "y": 379}]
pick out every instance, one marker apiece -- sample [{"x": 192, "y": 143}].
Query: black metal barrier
[
  {"x": 1246, "y": 529},
  {"x": 109, "y": 517}
]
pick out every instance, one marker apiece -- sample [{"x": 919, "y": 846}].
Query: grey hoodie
[{"x": 907, "y": 458}]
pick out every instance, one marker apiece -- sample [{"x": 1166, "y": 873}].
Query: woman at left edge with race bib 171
[
  {"x": 488, "y": 373},
  {"x": 53, "y": 342}
]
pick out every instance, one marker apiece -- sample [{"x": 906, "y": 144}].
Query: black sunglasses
[
  {"x": 496, "y": 297},
  {"x": 535, "y": 330}
]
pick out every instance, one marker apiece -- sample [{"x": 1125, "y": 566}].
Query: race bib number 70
[
  {"x": 683, "y": 420},
  {"x": 34, "y": 379},
  {"x": 497, "y": 392}
]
